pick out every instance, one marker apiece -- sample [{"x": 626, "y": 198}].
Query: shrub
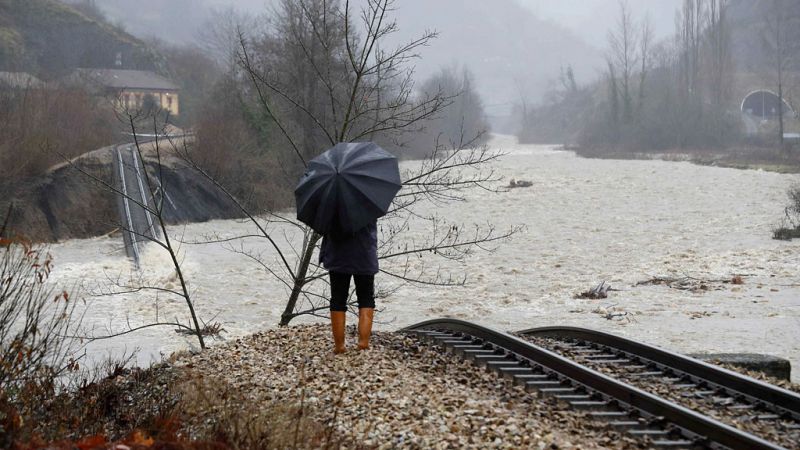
[
  {"x": 35, "y": 320},
  {"x": 790, "y": 226}
]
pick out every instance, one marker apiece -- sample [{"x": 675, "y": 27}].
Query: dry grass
[
  {"x": 36, "y": 125},
  {"x": 790, "y": 224},
  {"x": 214, "y": 411},
  {"x": 159, "y": 407}
]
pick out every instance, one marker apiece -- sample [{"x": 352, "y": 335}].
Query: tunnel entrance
[{"x": 764, "y": 104}]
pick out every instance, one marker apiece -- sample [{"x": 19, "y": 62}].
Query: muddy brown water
[{"x": 585, "y": 221}]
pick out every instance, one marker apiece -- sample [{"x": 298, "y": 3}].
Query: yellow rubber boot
[
  {"x": 364, "y": 326},
  {"x": 337, "y": 326}
]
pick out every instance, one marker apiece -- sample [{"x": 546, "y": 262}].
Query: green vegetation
[{"x": 50, "y": 39}]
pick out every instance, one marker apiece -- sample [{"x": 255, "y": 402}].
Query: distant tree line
[
  {"x": 50, "y": 39},
  {"x": 36, "y": 120},
  {"x": 677, "y": 93},
  {"x": 235, "y": 139},
  {"x": 463, "y": 120},
  {"x": 245, "y": 145}
]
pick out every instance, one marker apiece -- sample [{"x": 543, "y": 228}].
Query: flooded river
[{"x": 585, "y": 221}]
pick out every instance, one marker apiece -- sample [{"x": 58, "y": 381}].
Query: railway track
[
  {"x": 759, "y": 408},
  {"x": 609, "y": 379},
  {"x": 134, "y": 201}
]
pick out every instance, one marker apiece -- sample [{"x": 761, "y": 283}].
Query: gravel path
[{"x": 399, "y": 394}]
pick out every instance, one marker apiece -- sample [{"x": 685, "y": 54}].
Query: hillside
[
  {"x": 508, "y": 47},
  {"x": 752, "y": 37},
  {"x": 65, "y": 204},
  {"x": 50, "y": 38}
]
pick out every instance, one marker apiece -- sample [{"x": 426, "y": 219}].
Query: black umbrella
[{"x": 347, "y": 187}]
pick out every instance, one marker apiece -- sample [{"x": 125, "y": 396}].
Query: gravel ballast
[{"x": 399, "y": 393}]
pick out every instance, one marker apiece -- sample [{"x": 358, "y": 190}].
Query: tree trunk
[
  {"x": 779, "y": 66},
  {"x": 299, "y": 279},
  {"x": 780, "y": 114}
]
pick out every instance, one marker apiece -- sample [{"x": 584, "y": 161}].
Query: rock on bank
[{"x": 66, "y": 204}]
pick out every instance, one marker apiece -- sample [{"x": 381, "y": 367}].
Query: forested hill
[
  {"x": 49, "y": 38},
  {"x": 511, "y": 51},
  {"x": 753, "y": 25}
]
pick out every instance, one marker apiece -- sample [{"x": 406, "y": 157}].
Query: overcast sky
[
  {"x": 591, "y": 18},
  {"x": 511, "y": 46}
]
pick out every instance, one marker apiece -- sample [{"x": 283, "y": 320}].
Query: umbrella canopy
[{"x": 347, "y": 187}]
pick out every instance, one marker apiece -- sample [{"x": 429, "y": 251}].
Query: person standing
[
  {"x": 341, "y": 195},
  {"x": 346, "y": 256}
]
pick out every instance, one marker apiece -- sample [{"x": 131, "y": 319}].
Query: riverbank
[
  {"x": 746, "y": 158},
  {"x": 77, "y": 200},
  {"x": 283, "y": 388},
  {"x": 586, "y": 221}
]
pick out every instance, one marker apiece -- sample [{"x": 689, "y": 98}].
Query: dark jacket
[{"x": 353, "y": 253}]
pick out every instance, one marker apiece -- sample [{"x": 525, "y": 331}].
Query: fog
[
  {"x": 513, "y": 47},
  {"x": 588, "y": 19},
  {"x": 591, "y": 19},
  {"x": 179, "y": 174}
]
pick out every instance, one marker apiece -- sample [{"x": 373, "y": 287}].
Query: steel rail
[
  {"x": 142, "y": 192},
  {"x": 741, "y": 384},
  {"x": 652, "y": 405},
  {"x": 127, "y": 208}
]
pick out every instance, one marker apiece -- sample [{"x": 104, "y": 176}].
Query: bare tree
[
  {"x": 35, "y": 317},
  {"x": 463, "y": 116},
  {"x": 645, "y": 39},
  {"x": 32, "y": 116},
  {"x": 322, "y": 76},
  {"x": 613, "y": 101},
  {"x": 776, "y": 35},
  {"x": 689, "y": 27},
  {"x": 625, "y": 57},
  {"x": 522, "y": 93},
  {"x": 152, "y": 201},
  {"x": 719, "y": 64}
]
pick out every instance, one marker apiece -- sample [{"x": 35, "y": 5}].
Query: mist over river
[{"x": 585, "y": 221}]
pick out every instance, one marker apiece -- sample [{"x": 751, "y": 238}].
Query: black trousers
[{"x": 340, "y": 290}]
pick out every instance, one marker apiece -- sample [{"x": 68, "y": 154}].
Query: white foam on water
[{"x": 585, "y": 221}]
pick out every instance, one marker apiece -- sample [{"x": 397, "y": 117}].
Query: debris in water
[
  {"x": 518, "y": 184},
  {"x": 598, "y": 292},
  {"x": 692, "y": 284}
]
